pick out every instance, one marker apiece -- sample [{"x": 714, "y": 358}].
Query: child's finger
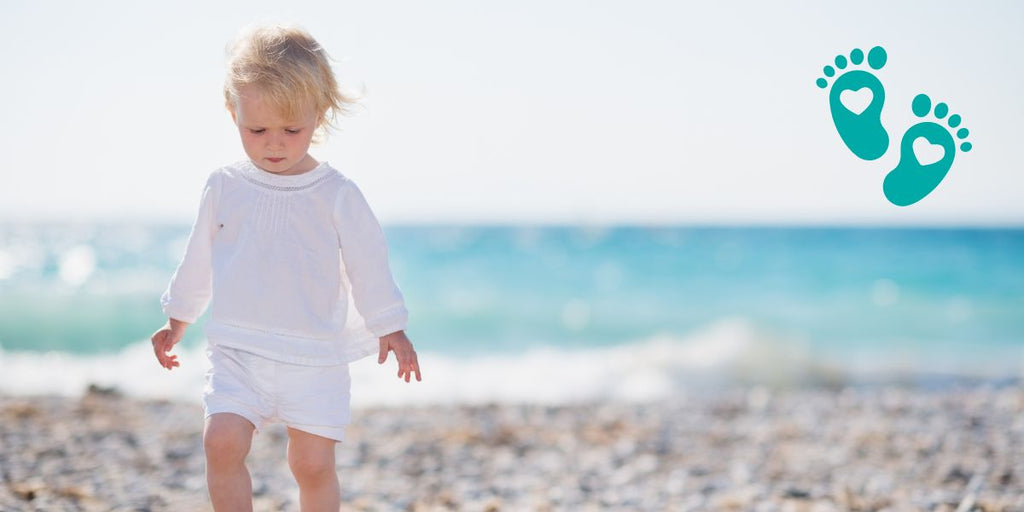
[
  {"x": 403, "y": 365},
  {"x": 407, "y": 363},
  {"x": 410, "y": 367},
  {"x": 414, "y": 366},
  {"x": 383, "y": 352}
]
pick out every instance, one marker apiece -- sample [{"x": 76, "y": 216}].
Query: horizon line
[{"x": 565, "y": 223}]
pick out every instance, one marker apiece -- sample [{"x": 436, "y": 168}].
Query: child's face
[{"x": 273, "y": 143}]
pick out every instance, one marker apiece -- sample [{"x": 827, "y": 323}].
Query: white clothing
[
  {"x": 285, "y": 259},
  {"x": 314, "y": 399}
]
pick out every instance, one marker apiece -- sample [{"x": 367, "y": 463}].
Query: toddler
[{"x": 293, "y": 264}]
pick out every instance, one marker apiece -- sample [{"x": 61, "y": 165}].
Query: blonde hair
[{"x": 290, "y": 69}]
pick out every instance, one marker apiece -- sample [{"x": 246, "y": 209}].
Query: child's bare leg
[
  {"x": 311, "y": 458},
  {"x": 227, "y": 439}
]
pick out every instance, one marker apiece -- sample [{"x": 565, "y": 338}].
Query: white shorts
[{"x": 313, "y": 399}]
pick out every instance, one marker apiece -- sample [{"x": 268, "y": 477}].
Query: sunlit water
[{"x": 558, "y": 314}]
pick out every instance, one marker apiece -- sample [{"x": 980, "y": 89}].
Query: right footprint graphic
[{"x": 922, "y": 167}]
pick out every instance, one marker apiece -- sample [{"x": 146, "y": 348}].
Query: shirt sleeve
[
  {"x": 191, "y": 287},
  {"x": 365, "y": 255}
]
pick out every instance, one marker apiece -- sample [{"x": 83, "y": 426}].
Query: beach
[
  {"x": 870, "y": 447},
  {"x": 566, "y": 368}
]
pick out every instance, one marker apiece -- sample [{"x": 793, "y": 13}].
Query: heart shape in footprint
[
  {"x": 856, "y": 101},
  {"x": 926, "y": 152}
]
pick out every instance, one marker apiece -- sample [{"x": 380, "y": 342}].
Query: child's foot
[
  {"x": 921, "y": 166},
  {"x": 856, "y": 102}
]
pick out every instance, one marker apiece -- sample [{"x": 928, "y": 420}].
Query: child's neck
[{"x": 307, "y": 164}]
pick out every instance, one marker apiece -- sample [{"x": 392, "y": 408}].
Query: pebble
[{"x": 754, "y": 449}]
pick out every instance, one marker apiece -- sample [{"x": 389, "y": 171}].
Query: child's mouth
[{"x": 275, "y": 160}]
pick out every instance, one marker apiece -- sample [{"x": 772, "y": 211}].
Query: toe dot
[
  {"x": 965, "y": 147},
  {"x": 829, "y": 71},
  {"x": 856, "y": 56},
  {"x": 877, "y": 57},
  {"x": 840, "y": 62},
  {"x": 954, "y": 120},
  {"x": 822, "y": 83},
  {"x": 962, "y": 132},
  {"x": 941, "y": 110},
  {"x": 921, "y": 104}
]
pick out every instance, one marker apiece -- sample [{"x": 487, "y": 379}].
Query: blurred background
[{"x": 584, "y": 200}]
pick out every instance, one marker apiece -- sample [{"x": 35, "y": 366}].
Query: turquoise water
[
  {"x": 500, "y": 288},
  {"x": 944, "y": 299}
]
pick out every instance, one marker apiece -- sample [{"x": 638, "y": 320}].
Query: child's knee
[
  {"x": 309, "y": 466},
  {"x": 227, "y": 437}
]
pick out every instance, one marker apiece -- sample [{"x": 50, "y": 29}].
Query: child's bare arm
[
  {"x": 165, "y": 339},
  {"x": 402, "y": 347}
]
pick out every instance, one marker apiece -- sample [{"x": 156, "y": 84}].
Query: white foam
[
  {"x": 725, "y": 352},
  {"x": 134, "y": 371},
  {"x": 77, "y": 264}
]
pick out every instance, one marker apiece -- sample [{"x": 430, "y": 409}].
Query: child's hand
[
  {"x": 165, "y": 339},
  {"x": 400, "y": 344}
]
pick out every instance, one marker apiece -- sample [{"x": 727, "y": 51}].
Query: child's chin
[{"x": 275, "y": 168}]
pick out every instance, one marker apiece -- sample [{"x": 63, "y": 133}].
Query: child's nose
[{"x": 275, "y": 141}]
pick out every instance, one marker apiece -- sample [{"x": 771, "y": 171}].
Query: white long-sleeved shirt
[{"x": 296, "y": 267}]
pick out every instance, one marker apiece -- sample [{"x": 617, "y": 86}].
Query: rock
[
  {"x": 796, "y": 493},
  {"x": 811, "y": 450}
]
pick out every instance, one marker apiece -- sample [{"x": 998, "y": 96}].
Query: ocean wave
[{"x": 727, "y": 352}]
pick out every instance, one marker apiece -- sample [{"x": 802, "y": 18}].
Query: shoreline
[{"x": 747, "y": 448}]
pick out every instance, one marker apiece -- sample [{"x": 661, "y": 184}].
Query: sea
[{"x": 561, "y": 314}]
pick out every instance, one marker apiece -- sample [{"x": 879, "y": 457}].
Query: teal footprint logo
[
  {"x": 926, "y": 154},
  {"x": 856, "y": 100},
  {"x": 927, "y": 149}
]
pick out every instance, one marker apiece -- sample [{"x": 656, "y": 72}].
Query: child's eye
[
  {"x": 293, "y": 131},
  {"x": 258, "y": 131}
]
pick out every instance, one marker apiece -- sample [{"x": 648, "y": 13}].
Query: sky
[{"x": 519, "y": 112}]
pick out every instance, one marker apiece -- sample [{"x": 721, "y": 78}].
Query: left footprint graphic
[
  {"x": 913, "y": 179},
  {"x": 856, "y": 100}
]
